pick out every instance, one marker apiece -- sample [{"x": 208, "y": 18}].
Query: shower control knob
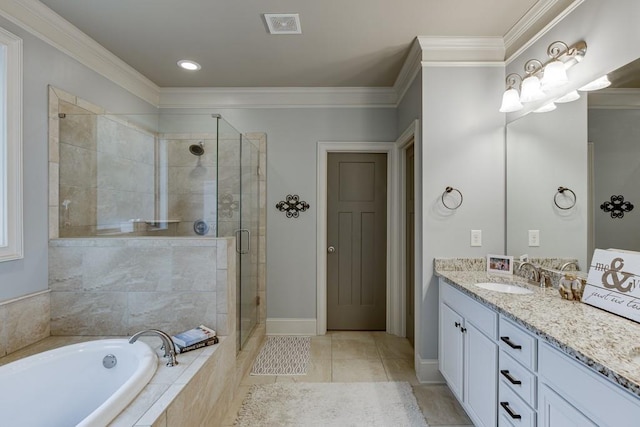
[{"x": 331, "y": 249}]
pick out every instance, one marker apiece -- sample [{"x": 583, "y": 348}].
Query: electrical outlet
[
  {"x": 534, "y": 237},
  {"x": 476, "y": 237}
]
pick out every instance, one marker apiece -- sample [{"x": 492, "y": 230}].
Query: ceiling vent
[{"x": 283, "y": 23}]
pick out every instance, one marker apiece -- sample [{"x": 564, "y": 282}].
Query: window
[{"x": 10, "y": 146}]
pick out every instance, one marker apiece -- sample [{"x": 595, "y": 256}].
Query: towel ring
[
  {"x": 447, "y": 191},
  {"x": 561, "y": 190}
]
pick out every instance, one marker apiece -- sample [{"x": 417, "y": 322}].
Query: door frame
[
  {"x": 395, "y": 251},
  {"x": 324, "y": 148}
]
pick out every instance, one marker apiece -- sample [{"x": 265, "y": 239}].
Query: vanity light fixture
[
  {"x": 597, "y": 84},
  {"x": 511, "y": 97},
  {"x": 542, "y": 77},
  {"x": 546, "y": 108},
  {"x": 570, "y": 97},
  {"x": 189, "y": 65}
]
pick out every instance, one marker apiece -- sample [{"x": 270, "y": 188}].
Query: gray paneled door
[
  {"x": 410, "y": 241},
  {"x": 357, "y": 241}
]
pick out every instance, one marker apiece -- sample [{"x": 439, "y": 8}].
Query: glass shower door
[
  {"x": 237, "y": 216},
  {"x": 248, "y": 240}
]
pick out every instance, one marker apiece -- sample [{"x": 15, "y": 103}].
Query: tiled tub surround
[
  {"x": 196, "y": 392},
  {"x": 24, "y": 321},
  {"x": 119, "y": 286},
  {"x": 602, "y": 341}
]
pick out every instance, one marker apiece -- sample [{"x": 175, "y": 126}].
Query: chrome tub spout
[{"x": 167, "y": 343}]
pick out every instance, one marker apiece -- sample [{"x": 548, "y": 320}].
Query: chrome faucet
[
  {"x": 545, "y": 279},
  {"x": 567, "y": 264},
  {"x": 167, "y": 343},
  {"x": 534, "y": 268}
]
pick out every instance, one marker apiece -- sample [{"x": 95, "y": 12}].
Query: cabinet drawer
[
  {"x": 513, "y": 409},
  {"x": 485, "y": 319},
  {"x": 520, "y": 379},
  {"x": 517, "y": 343}
]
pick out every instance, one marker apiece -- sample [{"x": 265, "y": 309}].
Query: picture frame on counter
[{"x": 499, "y": 264}]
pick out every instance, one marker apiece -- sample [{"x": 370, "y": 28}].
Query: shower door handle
[{"x": 239, "y": 246}]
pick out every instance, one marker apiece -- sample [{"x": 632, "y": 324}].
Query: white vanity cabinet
[
  {"x": 468, "y": 356},
  {"x": 505, "y": 375}
]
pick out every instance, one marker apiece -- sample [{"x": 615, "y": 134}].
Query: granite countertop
[{"x": 607, "y": 343}]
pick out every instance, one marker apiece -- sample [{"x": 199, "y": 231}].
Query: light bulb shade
[
  {"x": 597, "y": 84},
  {"x": 555, "y": 75},
  {"x": 570, "y": 97},
  {"x": 546, "y": 108},
  {"x": 510, "y": 101},
  {"x": 531, "y": 90}
]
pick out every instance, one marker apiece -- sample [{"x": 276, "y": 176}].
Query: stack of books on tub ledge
[{"x": 194, "y": 338}]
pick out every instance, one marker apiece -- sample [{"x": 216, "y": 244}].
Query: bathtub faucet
[{"x": 167, "y": 343}]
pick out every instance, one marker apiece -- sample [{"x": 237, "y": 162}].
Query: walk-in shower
[{"x": 163, "y": 175}]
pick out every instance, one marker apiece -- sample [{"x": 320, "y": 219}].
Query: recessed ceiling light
[
  {"x": 189, "y": 65},
  {"x": 283, "y": 23}
]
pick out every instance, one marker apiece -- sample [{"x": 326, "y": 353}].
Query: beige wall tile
[
  {"x": 89, "y": 313},
  {"x": 27, "y": 321},
  {"x": 171, "y": 312},
  {"x": 3, "y": 330}
]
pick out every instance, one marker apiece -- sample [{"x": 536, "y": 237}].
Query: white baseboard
[
  {"x": 427, "y": 371},
  {"x": 284, "y": 326}
]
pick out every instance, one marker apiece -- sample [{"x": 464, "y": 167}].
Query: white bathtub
[{"x": 69, "y": 386}]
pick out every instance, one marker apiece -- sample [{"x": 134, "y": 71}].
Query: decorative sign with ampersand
[{"x": 613, "y": 283}]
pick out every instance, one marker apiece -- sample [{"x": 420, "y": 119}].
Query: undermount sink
[{"x": 503, "y": 287}]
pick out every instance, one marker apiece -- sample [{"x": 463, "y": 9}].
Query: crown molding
[
  {"x": 50, "y": 27},
  {"x": 270, "y": 97},
  {"x": 528, "y": 21},
  {"x": 448, "y": 52},
  {"x": 462, "y": 49},
  {"x": 409, "y": 70},
  {"x": 614, "y": 99}
]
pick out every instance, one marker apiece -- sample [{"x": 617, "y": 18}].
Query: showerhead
[{"x": 197, "y": 149}]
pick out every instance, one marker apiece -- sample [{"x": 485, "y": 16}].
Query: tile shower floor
[{"x": 365, "y": 357}]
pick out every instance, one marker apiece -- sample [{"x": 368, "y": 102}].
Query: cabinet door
[
  {"x": 480, "y": 376},
  {"x": 451, "y": 348},
  {"x": 554, "y": 411}
]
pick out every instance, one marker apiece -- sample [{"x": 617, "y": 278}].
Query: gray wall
[
  {"x": 462, "y": 147},
  {"x": 43, "y": 65}
]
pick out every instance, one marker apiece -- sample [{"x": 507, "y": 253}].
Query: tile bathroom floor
[{"x": 365, "y": 357}]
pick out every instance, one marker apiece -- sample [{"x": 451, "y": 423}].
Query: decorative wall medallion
[
  {"x": 617, "y": 206},
  {"x": 292, "y": 206},
  {"x": 227, "y": 206}
]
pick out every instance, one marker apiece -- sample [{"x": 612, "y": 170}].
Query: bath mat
[
  {"x": 380, "y": 404},
  {"x": 283, "y": 355}
]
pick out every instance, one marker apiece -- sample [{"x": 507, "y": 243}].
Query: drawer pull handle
[
  {"x": 456, "y": 324},
  {"x": 508, "y": 376},
  {"x": 510, "y": 344},
  {"x": 512, "y": 414}
]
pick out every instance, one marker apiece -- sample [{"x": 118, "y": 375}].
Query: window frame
[{"x": 11, "y": 209}]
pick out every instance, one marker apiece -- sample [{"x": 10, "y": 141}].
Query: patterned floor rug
[
  {"x": 379, "y": 404},
  {"x": 283, "y": 355}
]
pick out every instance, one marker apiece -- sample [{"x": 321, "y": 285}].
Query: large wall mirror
[{"x": 591, "y": 147}]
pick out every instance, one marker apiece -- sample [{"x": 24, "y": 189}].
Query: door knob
[{"x": 331, "y": 249}]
